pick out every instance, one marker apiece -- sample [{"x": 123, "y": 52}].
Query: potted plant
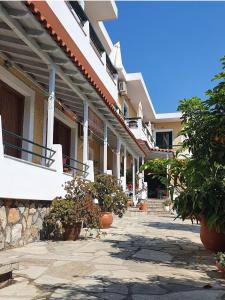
[
  {"x": 130, "y": 202},
  {"x": 143, "y": 205},
  {"x": 111, "y": 198},
  {"x": 220, "y": 262},
  {"x": 68, "y": 214},
  {"x": 199, "y": 179},
  {"x": 167, "y": 205}
]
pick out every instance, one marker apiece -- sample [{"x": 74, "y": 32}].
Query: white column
[
  {"x": 125, "y": 169},
  {"x": 139, "y": 175},
  {"x": 133, "y": 180},
  {"x": 118, "y": 158},
  {"x": 105, "y": 150},
  {"x": 85, "y": 133},
  {"x": 142, "y": 162},
  {"x": 51, "y": 106}
]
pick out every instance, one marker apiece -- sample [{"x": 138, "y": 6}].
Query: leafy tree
[{"x": 200, "y": 179}]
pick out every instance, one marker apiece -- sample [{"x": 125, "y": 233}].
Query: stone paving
[{"x": 142, "y": 257}]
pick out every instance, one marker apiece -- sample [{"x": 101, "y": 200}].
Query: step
[{"x": 7, "y": 266}]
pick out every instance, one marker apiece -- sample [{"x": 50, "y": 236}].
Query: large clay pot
[
  {"x": 106, "y": 220},
  {"x": 72, "y": 233},
  {"x": 143, "y": 206},
  {"x": 130, "y": 202},
  {"x": 211, "y": 239}
]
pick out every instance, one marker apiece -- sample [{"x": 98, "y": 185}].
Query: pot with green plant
[
  {"x": 220, "y": 262},
  {"x": 203, "y": 195},
  {"x": 167, "y": 205},
  {"x": 199, "y": 179},
  {"x": 68, "y": 214},
  {"x": 111, "y": 198}
]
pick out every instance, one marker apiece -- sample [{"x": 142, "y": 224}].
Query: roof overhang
[
  {"x": 168, "y": 117},
  {"x": 137, "y": 92},
  {"x": 101, "y": 10},
  {"x": 30, "y": 44},
  {"x": 156, "y": 152}
]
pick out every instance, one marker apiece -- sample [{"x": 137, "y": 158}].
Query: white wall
[
  {"x": 81, "y": 38},
  {"x": 24, "y": 180}
]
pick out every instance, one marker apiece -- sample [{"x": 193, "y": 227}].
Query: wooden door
[
  {"x": 62, "y": 135},
  {"x": 11, "y": 111}
]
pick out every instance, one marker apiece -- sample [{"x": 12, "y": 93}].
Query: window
[
  {"x": 125, "y": 110},
  {"x": 164, "y": 139}
]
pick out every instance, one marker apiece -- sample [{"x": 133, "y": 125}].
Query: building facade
[{"x": 67, "y": 107}]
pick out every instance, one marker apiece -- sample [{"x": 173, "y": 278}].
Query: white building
[{"x": 67, "y": 106}]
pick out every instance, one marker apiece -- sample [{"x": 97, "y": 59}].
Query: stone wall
[{"x": 21, "y": 221}]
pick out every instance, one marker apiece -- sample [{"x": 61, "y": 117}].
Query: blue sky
[{"x": 175, "y": 45}]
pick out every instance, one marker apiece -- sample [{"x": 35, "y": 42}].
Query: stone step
[{"x": 7, "y": 266}]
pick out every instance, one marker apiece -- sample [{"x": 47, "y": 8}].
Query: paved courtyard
[{"x": 141, "y": 257}]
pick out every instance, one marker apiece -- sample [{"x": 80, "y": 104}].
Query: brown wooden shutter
[{"x": 11, "y": 111}]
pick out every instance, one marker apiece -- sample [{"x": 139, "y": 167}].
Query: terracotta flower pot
[
  {"x": 130, "y": 202},
  {"x": 72, "y": 233},
  {"x": 143, "y": 206},
  {"x": 211, "y": 239},
  {"x": 220, "y": 268},
  {"x": 106, "y": 220}
]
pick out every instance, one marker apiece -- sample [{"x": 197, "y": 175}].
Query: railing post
[
  {"x": 85, "y": 134},
  {"x": 105, "y": 149},
  {"x": 118, "y": 158},
  {"x": 133, "y": 180},
  {"x": 51, "y": 106},
  {"x": 125, "y": 169}
]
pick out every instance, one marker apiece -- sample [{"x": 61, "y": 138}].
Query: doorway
[
  {"x": 12, "y": 114},
  {"x": 62, "y": 136}
]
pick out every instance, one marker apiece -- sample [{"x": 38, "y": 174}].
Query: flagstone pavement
[{"x": 142, "y": 257}]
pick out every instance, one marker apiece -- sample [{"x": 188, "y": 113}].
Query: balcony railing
[
  {"x": 95, "y": 40},
  {"x": 13, "y": 143},
  {"x": 139, "y": 128},
  {"x": 110, "y": 68},
  {"x": 148, "y": 133},
  {"x": 93, "y": 36},
  {"x": 71, "y": 165},
  {"x": 79, "y": 12}
]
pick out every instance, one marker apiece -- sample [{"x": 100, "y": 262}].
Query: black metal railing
[
  {"x": 79, "y": 12},
  {"x": 93, "y": 36},
  {"x": 110, "y": 67},
  {"x": 13, "y": 146},
  {"x": 148, "y": 133},
  {"x": 74, "y": 166},
  {"x": 164, "y": 146},
  {"x": 132, "y": 122},
  {"x": 95, "y": 40}
]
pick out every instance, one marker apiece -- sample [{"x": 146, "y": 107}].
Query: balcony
[
  {"x": 140, "y": 130},
  {"x": 84, "y": 35},
  {"x": 30, "y": 170},
  {"x": 93, "y": 37}
]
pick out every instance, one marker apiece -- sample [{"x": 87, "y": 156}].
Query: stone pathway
[{"x": 142, "y": 257}]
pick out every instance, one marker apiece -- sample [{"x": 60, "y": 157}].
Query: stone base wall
[{"x": 21, "y": 221}]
